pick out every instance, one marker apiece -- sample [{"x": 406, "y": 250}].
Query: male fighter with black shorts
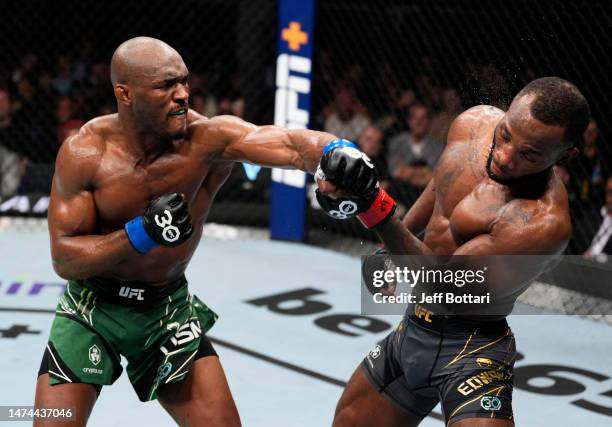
[
  {"x": 494, "y": 192},
  {"x": 130, "y": 195}
]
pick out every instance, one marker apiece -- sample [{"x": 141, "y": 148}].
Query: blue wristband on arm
[
  {"x": 338, "y": 143},
  {"x": 139, "y": 238}
]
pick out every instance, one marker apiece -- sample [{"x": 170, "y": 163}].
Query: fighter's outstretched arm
[
  {"x": 271, "y": 146},
  {"x": 76, "y": 250}
]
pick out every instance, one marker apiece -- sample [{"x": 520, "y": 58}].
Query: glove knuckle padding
[
  {"x": 182, "y": 219},
  {"x": 366, "y": 181},
  {"x": 352, "y": 171}
]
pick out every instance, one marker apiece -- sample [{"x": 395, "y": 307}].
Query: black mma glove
[
  {"x": 350, "y": 169},
  {"x": 166, "y": 222}
]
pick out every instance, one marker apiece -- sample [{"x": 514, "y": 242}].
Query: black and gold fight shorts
[{"x": 466, "y": 365}]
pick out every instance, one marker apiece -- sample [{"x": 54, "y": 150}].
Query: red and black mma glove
[
  {"x": 166, "y": 222},
  {"x": 348, "y": 168}
]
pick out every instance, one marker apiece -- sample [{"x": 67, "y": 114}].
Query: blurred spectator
[
  {"x": 602, "y": 242},
  {"x": 67, "y": 123},
  {"x": 97, "y": 91},
  {"x": 355, "y": 81},
  {"x": 237, "y": 107},
  {"x": 346, "y": 119},
  {"x": 204, "y": 104},
  {"x": 46, "y": 93},
  {"x": 68, "y": 129},
  {"x": 11, "y": 168},
  {"x": 63, "y": 109},
  {"x": 393, "y": 121},
  {"x": 27, "y": 64},
  {"x": 414, "y": 154},
  {"x": 232, "y": 106},
  {"x": 371, "y": 142},
  {"x": 225, "y": 106},
  {"x": 429, "y": 94},
  {"x": 451, "y": 108},
  {"x": 106, "y": 109},
  {"x": 26, "y": 91},
  {"x": 64, "y": 79},
  {"x": 587, "y": 170}
]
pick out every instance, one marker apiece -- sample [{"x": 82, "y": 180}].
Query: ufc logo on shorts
[
  {"x": 130, "y": 293},
  {"x": 170, "y": 233}
]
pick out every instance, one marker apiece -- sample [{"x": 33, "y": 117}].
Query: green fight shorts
[{"x": 159, "y": 330}]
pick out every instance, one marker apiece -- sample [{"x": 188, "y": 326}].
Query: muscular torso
[
  {"x": 122, "y": 189},
  {"x": 468, "y": 203},
  {"x": 475, "y": 215}
]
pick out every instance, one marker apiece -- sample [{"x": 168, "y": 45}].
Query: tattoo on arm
[
  {"x": 516, "y": 212},
  {"x": 454, "y": 164}
]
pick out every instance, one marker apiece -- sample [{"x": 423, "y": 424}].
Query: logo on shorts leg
[
  {"x": 374, "y": 354},
  {"x": 95, "y": 355},
  {"x": 490, "y": 403},
  {"x": 164, "y": 370}
]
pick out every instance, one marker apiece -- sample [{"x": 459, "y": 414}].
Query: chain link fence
[
  {"x": 384, "y": 72},
  {"x": 55, "y": 76},
  {"x": 389, "y": 73}
]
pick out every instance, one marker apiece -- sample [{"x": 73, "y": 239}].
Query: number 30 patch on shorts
[{"x": 490, "y": 403}]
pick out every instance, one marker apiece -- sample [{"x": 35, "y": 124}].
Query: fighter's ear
[
  {"x": 567, "y": 155},
  {"x": 123, "y": 94}
]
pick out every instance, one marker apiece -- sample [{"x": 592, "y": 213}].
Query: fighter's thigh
[
  {"x": 481, "y": 422},
  {"x": 78, "y": 397},
  {"x": 203, "y": 398},
  {"x": 362, "y": 405}
]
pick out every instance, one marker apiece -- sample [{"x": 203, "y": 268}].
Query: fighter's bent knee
[
  {"x": 203, "y": 398},
  {"x": 362, "y": 405}
]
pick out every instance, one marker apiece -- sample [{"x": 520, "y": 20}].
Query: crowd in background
[
  {"x": 403, "y": 128},
  {"x": 41, "y": 105},
  {"x": 405, "y": 141}
]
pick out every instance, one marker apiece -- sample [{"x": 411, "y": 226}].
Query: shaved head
[
  {"x": 151, "y": 85},
  {"x": 140, "y": 57}
]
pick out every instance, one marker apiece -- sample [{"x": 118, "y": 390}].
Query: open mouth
[{"x": 179, "y": 112}]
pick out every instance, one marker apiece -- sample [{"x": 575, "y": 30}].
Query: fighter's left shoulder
[
  {"x": 219, "y": 131},
  {"x": 472, "y": 123}
]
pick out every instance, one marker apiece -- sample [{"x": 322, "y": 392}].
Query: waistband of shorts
[
  {"x": 131, "y": 294},
  {"x": 457, "y": 324}
]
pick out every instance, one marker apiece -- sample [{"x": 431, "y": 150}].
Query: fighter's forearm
[
  {"x": 399, "y": 240},
  {"x": 308, "y": 144},
  {"x": 80, "y": 257},
  {"x": 418, "y": 216}
]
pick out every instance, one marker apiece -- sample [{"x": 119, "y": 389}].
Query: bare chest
[
  {"x": 123, "y": 190},
  {"x": 467, "y": 201}
]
